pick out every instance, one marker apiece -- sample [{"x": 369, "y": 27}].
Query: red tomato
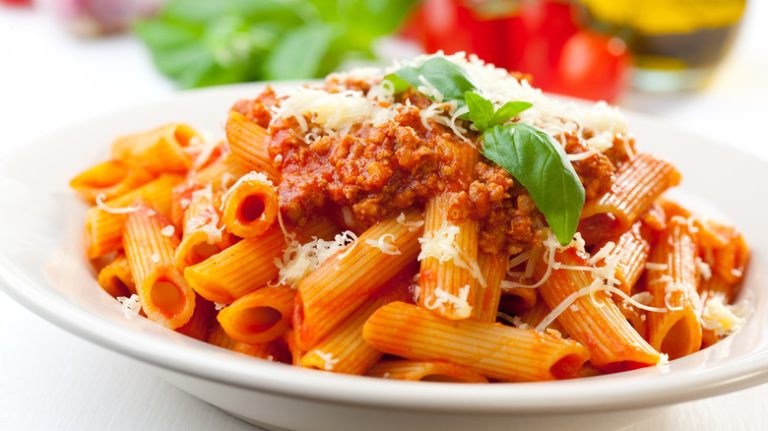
[
  {"x": 593, "y": 66},
  {"x": 455, "y": 25},
  {"x": 546, "y": 26},
  {"x": 17, "y": 2}
]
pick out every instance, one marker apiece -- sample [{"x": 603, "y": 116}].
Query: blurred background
[
  {"x": 700, "y": 64},
  {"x": 692, "y": 62},
  {"x": 594, "y": 49}
]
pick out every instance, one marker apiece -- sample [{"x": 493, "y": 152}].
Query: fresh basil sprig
[
  {"x": 542, "y": 167},
  {"x": 483, "y": 115},
  {"x": 447, "y": 78},
  {"x": 531, "y": 155}
]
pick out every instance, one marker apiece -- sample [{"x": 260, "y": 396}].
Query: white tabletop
[{"x": 50, "y": 379}]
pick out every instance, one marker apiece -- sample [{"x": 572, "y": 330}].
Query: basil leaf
[
  {"x": 446, "y": 77},
  {"x": 509, "y": 110},
  {"x": 301, "y": 52},
  {"x": 542, "y": 167},
  {"x": 480, "y": 110}
]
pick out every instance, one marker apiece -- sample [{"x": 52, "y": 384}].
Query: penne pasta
[
  {"x": 449, "y": 276},
  {"x": 594, "y": 319},
  {"x": 349, "y": 278},
  {"x": 164, "y": 295},
  {"x": 494, "y": 269},
  {"x": 104, "y": 225},
  {"x": 110, "y": 179},
  {"x": 116, "y": 278},
  {"x": 260, "y": 316},
  {"x": 678, "y": 331},
  {"x": 493, "y": 350},
  {"x": 637, "y": 185},
  {"x": 631, "y": 253},
  {"x": 247, "y": 140},
  {"x": 345, "y": 350},
  {"x": 202, "y": 237},
  {"x": 221, "y": 278},
  {"x": 425, "y": 371},
  {"x": 157, "y": 151},
  {"x": 250, "y": 206}
]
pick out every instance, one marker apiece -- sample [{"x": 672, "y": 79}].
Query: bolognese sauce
[{"x": 370, "y": 172}]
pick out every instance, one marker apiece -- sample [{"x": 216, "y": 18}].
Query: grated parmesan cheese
[
  {"x": 131, "y": 306},
  {"x": 168, "y": 231},
  {"x": 722, "y": 318},
  {"x": 328, "y": 360},
  {"x": 704, "y": 269},
  {"x": 333, "y": 111},
  {"x": 104, "y": 207},
  {"x": 384, "y": 246},
  {"x": 459, "y": 303},
  {"x": 655, "y": 266},
  {"x": 300, "y": 260},
  {"x": 218, "y": 306},
  {"x": 411, "y": 225},
  {"x": 441, "y": 245}
]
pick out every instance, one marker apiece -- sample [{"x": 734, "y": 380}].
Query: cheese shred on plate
[
  {"x": 300, "y": 260},
  {"x": 441, "y": 245}
]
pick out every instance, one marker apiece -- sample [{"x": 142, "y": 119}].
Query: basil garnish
[
  {"x": 542, "y": 167},
  {"x": 531, "y": 155}
]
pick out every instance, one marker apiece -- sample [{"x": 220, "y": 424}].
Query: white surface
[{"x": 52, "y": 380}]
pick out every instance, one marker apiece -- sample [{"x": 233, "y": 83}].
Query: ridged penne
[
  {"x": 202, "y": 236},
  {"x": 491, "y": 349},
  {"x": 349, "y": 278},
  {"x": 250, "y": 206},
  {"x": 116, "y": 278},
  {"x": 595, "y": 319},
  {"x": 631, "y": 253},
  {"x": 674, "y": 285},
  {"x": 164, "y": 295},
  {"x": 247, "y": 140},
  {"x": 104, "y": 230},
  {"x": 158, "y": 150},
  {"x": 638, "y": 183},
  {"x": 344, "y": 350},
  {"x": 110, "y": 179},
  {"x": 534, "y": 315},
  {"x": 450, "y": 274},
  {"x": 260, "y": 316},
  {"x": 425, "y": 371},
  {"x": 221, "y": 277},
  {"x": 494, "y": 269}
]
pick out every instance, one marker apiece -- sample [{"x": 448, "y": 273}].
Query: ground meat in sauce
[{"x": 379, "y": 171}]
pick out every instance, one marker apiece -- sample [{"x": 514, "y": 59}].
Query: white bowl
[{"x": 42, "y": 265}]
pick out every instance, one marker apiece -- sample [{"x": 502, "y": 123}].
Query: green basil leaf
[
  {"x": 301, "y": 52},
  {"x": 542, "y": 167},
  {"x": 399, "y": 84},
  {"x": 480, "y": 110},
  {"x": 509, "y": 110},
  {"x": 447, "y": 78}
]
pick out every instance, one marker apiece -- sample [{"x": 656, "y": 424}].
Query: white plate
[{"x": 42, "y": 266}]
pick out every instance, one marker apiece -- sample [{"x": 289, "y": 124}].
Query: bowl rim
[{"x": 597, "y": 394}]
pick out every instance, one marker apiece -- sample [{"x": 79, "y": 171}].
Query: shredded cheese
[
  {"x": 704, "y": 269},
  {"x": 655, "y": 266},
  {"x": 300, "y": 260},
  {"x": 459, "y": 303},
  {"x": 168, "y": 231},
  {"x": 328, "y": 360},
  {"x": 129, "y": 305},
  {"x": 384, "y": 246},
  {"x": 441, "y": 245},
  {"x": 333, "y": 111},
  {"x": 104, "y": 207},
  {"x": 722, "y": 318},
  {"x": 218, "y": 306},
  {"x": 412, "y": 226}
]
